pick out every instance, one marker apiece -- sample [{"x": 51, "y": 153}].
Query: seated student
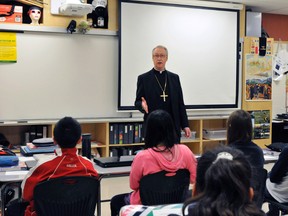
[
  {"x": 277, "y": 182},
  {"x": 161, "y": 153},
  {"x": 67, "y": 134},
  {"x": 4, "y": 142},
  {"x": 239, "y": 136},
  {"x": 222, "y": 185}
]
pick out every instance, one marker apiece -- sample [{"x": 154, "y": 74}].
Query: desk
[
  {"x": 16, "y": 177},
  {"x": 109, "y": 171}
]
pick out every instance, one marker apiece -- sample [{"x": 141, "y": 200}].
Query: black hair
[
  {"x": 239, "y": 127},
  {"x": 4, "y": 141},
  {"x": 67, "y": 132},
  {"x": 34, "y": 8},
  {"x": 160, "y": 130},
  {"x": 222, "y": 185}
]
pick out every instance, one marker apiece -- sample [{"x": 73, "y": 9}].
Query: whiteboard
[
  {"x": 202, "y": 45},
  {"x": 60, "y": 75}
]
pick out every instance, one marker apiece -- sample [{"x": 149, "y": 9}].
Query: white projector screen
[{"x": 202, "y": 45}]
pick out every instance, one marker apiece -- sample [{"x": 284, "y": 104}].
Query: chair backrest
[
  {"x": 164, "y": 187},
  {"x": 258, "y": 183},
  {"x": 67, "y": 196}
]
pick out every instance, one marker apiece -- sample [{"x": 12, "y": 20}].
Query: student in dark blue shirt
[
  {"x": 277, "y": 182},
  {"x": 239, "y": 136}
]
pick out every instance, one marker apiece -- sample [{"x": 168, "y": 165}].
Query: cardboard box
[{"x": 11, "y": 14}]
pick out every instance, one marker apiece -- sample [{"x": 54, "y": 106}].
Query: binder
[
  {"x": 130, "y": 133},
  {"x": 125, "y": 134},
  {"x": 136, "y": 133},
  {"x": 121, "y": 133},
  {"x": 116, "y": 134},
  {"x": 32, "y": 133},
  {"x": 113, "y": 133},
  {"x": 39, "y": 131}
]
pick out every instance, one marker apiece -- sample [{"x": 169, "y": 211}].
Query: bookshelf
[{"x": 99, "y": 130}]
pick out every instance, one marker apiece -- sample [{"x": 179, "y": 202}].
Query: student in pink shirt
[{"x": 161, "y": 153}]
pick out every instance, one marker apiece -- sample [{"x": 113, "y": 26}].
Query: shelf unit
[{"x": 99, "y": 129}]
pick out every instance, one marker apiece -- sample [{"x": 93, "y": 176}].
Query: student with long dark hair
[
  {"x": 161, "y": 153},
  {"x": 222, "y": 186},
  {"x": 239, "y": 136}
]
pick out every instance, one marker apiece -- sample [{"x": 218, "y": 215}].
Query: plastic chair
[
  {"x": 67, "y": 196},
  {"x": 282, "y": 207},
  {"x": 164, "y": 187}
]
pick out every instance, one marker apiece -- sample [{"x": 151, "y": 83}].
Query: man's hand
[
  {"x": 187, "y": 132},
  {"x": 144, "y": 105}
]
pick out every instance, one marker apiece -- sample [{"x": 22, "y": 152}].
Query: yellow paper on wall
[{"x": 8, "y": 50}]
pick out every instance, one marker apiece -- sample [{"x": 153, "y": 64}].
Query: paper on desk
[
  {"x": 165, "y": 212},
  {"x": 21, "y": 158},
  {"x": 44, "y": 157},
  {"x": 22, "y": 172},
  {"x": 270, "y": 157}
]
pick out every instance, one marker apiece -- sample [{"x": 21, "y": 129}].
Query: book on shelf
[
  {"x": 125, "y": 134},
  {"x": 32, "y": 133},
  {"x": 137, "y": 133},
  {"x": 121, "y": 133},
  {"x": 41, "y": 131},
  {"x": 113, "y": 133},
  {"x": 130, "y": 133}
]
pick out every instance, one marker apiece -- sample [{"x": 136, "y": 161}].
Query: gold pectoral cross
[{"x": 164, "y": 96}]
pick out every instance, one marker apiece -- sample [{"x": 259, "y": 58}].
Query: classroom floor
[{"x": 117, "y": 185}]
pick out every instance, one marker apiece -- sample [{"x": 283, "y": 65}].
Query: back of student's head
[
  {"x": 159, "y": 129},
  {"x": 223, "y": 185},
  {"x": 4, "y": 141},
  {"x": 239, "y": 127},
  {"x": 67, "y": 132}
]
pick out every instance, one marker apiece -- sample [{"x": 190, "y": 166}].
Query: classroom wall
[{"x": 277, "y": 27}]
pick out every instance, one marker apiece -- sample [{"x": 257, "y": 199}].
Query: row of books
[
  {"x": 35, "y": 132},
  {"x": 125, "y": 133}
]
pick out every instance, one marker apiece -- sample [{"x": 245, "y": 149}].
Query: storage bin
[
  {"x": 219, "y": 133},
  {"x": 193, "y": 135}
]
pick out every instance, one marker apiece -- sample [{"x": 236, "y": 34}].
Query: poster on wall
[
  {"x": 8, "y": 47},
  {"x": 258, "y": 75},
  {"x": 260, "y": 123}
]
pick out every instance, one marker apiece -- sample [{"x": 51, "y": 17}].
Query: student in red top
[{"x": 67, "y": 133}]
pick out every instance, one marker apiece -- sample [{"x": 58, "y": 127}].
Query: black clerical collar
[{"x": 159, "y": 72}]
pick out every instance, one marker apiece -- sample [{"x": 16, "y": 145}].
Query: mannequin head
[{"x": 34, "y": 14}]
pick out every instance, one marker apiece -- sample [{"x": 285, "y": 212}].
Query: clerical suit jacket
[{"x": 145, "y": 88}]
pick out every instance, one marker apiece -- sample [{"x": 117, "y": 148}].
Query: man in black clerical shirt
[{"x": 161, "y": 89}]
